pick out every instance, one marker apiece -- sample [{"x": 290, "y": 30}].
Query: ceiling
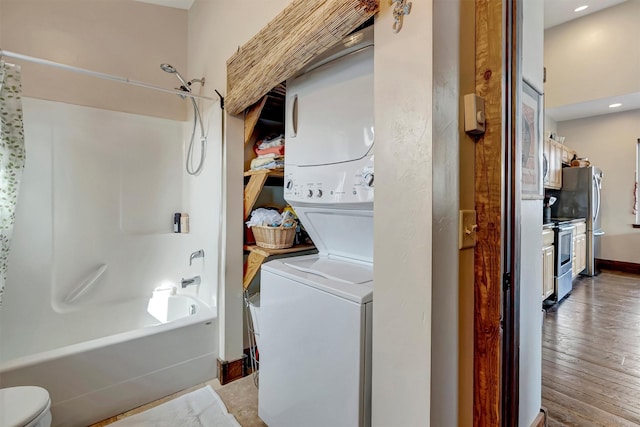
[
  {"x": 557, "y": 12},
  {"x": 178, "y": 4}
]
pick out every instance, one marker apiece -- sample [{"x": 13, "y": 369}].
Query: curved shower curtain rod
[{"x": 7, "y": 54}]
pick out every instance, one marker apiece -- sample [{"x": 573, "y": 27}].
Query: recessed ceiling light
[
  {"x": 616, "y": 105},
  {"x": 581, "y": 8}
]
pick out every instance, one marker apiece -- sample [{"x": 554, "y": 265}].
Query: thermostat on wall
[{"x": 474, "y": 118}]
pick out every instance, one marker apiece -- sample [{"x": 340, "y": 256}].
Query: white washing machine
[{"x": 315, "y": 321}]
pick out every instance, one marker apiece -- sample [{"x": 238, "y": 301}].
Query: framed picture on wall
[{"x": 532, "y": 139}]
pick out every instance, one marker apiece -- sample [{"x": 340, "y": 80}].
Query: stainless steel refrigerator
[{"x": 580, "y": 197}]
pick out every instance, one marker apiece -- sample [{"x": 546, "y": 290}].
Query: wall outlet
[{"x": 468, "y": 227}]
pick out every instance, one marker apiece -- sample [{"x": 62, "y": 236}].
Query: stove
[{"x": 563, "y": 245}]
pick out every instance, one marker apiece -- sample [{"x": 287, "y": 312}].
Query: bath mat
[{"x": 200, "y": 408}]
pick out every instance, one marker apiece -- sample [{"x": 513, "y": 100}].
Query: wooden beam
[
  {"x": 287, "y": 44},
  {"x": 488, "y": 196}
]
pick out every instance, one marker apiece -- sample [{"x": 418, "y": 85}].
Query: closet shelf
[{"x": 258, "y": 255}]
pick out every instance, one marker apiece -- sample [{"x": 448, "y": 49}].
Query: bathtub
[{"x": 119, "y": 357}]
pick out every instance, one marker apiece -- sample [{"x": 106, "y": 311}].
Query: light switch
[
  {"x": 474, "y": 118},
  {"x": 468, "y": 229}
]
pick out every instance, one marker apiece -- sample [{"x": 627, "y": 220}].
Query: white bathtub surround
[
  {"x": 92, "y": 241},
  {"x": 139, "y": 359},
  {"x": 12, "y": 156},
  {"x": 98, "y": 193},
  {"x": 200, "y": 408}
]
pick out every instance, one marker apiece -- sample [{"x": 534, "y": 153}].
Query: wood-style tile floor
[{"x": 591, "y": 354}]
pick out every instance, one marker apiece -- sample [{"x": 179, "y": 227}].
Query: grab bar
[{"x": 85, "y": 284}]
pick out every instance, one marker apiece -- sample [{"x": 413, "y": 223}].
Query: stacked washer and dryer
[{"x": 316, "y": 310}]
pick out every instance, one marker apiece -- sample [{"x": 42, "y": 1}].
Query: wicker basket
[{"x": 274, "y": 237}]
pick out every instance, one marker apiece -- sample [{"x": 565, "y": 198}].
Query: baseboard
[
  {"x": 541, "y": 419},
  {"x": 625, "y": 267},
  {"x": 232, "y": 370}
]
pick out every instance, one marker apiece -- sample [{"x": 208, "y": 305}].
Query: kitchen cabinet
[
  {"x": 579, "y": 249},
  {"x": 556, "y": 155},
  {"x": 553, "y": 153},
  {"x": 548, "y": 254}
]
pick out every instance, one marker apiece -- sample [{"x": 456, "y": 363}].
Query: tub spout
[
  {"x": 197, "y": 254},
  {"x": 188, "y": 282}
]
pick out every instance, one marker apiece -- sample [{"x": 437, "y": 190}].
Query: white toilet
[{"x": 25, "y": 406}]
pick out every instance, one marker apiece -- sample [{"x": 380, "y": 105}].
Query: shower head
[{"x": 168, "y": 68}]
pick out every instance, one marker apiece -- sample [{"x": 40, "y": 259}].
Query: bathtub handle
[{"x": 85, "y": 285}]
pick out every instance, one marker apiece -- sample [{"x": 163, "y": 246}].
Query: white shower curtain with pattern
[{"x": 12, "y": 155}]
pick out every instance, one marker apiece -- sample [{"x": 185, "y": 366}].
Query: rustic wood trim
[
  {"x": 287, "y": 44},
  {"x": 488, "y": 200},
  {"x": 232, "y": 370},
  {"x": 625, "y": 267},
  {"x": 540, "y": 420}
]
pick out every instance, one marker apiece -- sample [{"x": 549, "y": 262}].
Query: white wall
[
  {"x": 550, "y": 125},
  {"x": 216, "y": 29},
  {"x": 453, "y": 76},
  {"x": 403, "y": 86},
  {"x": 609, "y": 142},
  {"x": 531, "y": 239},
  {"x": 125, "y": 38},
  {"x": 583, "y": 56}
]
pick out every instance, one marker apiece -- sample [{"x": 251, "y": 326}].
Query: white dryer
[{"x": 315, "y": 325}]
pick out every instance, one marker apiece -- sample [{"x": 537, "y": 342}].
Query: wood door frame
[{"x": 497, "y": 196}]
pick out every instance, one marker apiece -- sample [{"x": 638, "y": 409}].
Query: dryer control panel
[{"x": 341, "y": 183}]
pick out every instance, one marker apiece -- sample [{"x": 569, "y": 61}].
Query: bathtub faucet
[
  {"x": 197, "y": 254},
  {"x": 188, "y": 282}
]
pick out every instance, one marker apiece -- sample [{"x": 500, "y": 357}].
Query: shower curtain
[{"x": 12, "y": 157}]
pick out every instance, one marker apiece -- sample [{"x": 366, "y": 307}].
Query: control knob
[
  {"x": 310, "y": 193},
  {"x": 289, "y": 184},
  {"x": 319, "y": 193},
  {"x": 368, "y": 179}
]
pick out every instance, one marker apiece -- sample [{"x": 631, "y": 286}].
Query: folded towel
[
  {"x": 274, "y": 164},
  {"x": 279, "y": 150},
  {"x": 261, "y": 161},
  {"x": 271, "y": 142}
]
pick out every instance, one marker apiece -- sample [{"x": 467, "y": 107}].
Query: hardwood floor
[{"x": 591, "y": 354}]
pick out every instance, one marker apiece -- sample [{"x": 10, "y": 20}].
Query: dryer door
[{"x": 329, "y": 112}]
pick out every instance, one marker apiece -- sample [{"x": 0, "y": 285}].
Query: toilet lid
[{"x": 21, "y": 405}]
